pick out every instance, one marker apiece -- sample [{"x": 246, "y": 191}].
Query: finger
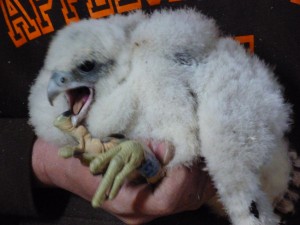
[
  {"x": 123, "y": 205},
  {"x": 115, "y": 166},
  {"x": 166, "y": 196},
  {"x": 102, "y": 160},
  {"x": 163, "y": 150}
]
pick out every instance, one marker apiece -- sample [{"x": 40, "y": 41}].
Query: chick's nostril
[{"x": 62, "y": 80}]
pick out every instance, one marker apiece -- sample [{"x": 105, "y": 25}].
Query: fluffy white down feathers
[{"x": 175, "y": 78}]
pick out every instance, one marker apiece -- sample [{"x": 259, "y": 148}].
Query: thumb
[{"x": 163, "y": 150}]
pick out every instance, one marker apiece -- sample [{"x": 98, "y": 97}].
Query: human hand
[{"x": 182, "y": 189}]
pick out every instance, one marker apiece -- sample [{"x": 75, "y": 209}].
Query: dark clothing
[{"x": 269, "y": 28}]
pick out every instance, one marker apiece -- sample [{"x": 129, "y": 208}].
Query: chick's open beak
[{"x": 78, "y": 93}]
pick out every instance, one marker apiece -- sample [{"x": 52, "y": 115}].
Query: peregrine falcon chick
[{"x": 172, "y": 76}]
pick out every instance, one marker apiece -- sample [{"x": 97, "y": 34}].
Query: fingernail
[
  {"x": 163, "y": 150},
  {"x": 168, "y": 153}
]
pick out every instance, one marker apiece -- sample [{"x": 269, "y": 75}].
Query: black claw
[
  {"x": 111, "y": 136},
  {"x": 77, "y": 153},
  {"x": 118, "y": 136},
  {"x": 67, "y": 113},
  {"x": 253, "y": 209}
]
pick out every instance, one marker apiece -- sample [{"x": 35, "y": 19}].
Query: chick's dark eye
[{"x": 87, "y": 66}]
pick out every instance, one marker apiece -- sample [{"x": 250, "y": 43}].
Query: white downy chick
[{"x": 172, "y": 77}]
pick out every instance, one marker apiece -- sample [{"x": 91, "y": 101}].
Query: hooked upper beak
[{"x": 60, "y": 82}]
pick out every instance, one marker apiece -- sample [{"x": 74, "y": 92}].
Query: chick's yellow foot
[{"x": 120, "y": 162}]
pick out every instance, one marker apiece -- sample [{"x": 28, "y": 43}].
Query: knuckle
[{"x": 166, "y": 207}]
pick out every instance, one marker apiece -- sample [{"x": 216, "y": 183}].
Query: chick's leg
[
  {"x": 70, "y": 151},
  {"x": 64, "y": 123}
]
